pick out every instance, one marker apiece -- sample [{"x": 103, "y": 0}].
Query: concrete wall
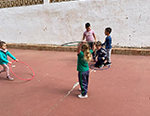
[{"x": 57, "y": 23}]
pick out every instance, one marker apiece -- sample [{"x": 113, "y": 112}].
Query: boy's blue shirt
[
  {"x": 108, "y": 42},
  {"x": 3, "y": 57}
]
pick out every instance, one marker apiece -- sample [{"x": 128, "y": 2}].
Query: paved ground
[{"x": 122, "y": 90}]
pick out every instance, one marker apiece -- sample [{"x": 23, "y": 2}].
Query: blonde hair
[{"x": 85, "y": 50}]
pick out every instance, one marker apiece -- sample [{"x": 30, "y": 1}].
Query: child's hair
[
  {"x": 2, "y": 43},
  {"x": 98, "y": 43},
  {"x": 87, "y": 25},
  {"x": 85, "y": 50},
  {"x": 108, "y": 29}
]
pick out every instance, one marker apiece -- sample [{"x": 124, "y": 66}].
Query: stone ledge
[
  {"x": 123, "y": 51},
  {"x": 42, "y": 47},
  {"x": 131, "y": 51}
]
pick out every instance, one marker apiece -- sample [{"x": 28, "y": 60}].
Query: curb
[
  {"x": 131, "y": 51},
  {"x": 122, "y": 51}
]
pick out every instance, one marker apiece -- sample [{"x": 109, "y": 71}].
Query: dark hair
[
  {"x": 108, "y": 29},
  {"x": 2, "y": 43},
  {"x": 98, "y": 43},
  {"x": 87, "y": 25}
]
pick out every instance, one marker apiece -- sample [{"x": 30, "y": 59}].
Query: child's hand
[
  {"x": 16, "y": 60},
  {"x": 10, "y": 62},
  {"x": 83, "y": 42},
  {"x": 103, "y": 58}
]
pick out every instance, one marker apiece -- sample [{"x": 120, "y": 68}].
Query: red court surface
[{"x": 122, "y": 90}]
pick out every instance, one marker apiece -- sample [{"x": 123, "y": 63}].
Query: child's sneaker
[
  {"x": 100, "y": 66},
  {"x": 81, "y": 96},
  {"x": 10, "y": 78},
  {"x": 107, "y": 64}
]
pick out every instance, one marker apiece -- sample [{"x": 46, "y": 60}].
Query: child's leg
[
  {"x": 99, "y": 62},
  {"x": 3, "y": 70},
  {"x": 83, "y": 81},
  {"x": 6, "y": 68},
  {"x": 109, "y": 55},
  {"x": 93, "y": 54},
  {"x": 91, "y": 44}
]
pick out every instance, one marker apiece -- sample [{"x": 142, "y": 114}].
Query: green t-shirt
[{"x": 82, "y": 65}]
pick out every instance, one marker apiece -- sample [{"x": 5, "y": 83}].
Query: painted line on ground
[{"x": 74, "y": 86}]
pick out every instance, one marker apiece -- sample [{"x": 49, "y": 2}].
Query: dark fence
[{"x": 15, "y": 3}]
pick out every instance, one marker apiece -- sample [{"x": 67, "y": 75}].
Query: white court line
[{"x": 74, "y": 86}]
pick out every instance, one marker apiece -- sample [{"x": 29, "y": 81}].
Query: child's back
[{"x": 84, "y": 56}]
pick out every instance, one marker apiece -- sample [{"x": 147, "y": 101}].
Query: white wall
[{"x": 57, "y": 23}]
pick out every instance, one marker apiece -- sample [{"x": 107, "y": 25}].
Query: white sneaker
[
  {"x": 81, "y": 96},
  {"x": 101, "y": 66},
  {"x": 10, "y": 78}
]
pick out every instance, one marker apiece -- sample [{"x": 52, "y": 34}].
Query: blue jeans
[
  {"x": 83, "y": 81},
  {"x": 99, "y": 62}
]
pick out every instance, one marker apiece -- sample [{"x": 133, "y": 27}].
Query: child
[
  {"x": 84, "y": 56},
  {"x": 89, "y": 35},
  {"x": 107, "y": 43},
  {"x": 101, "y": 54},
  {"x": 4, "y": 61}
]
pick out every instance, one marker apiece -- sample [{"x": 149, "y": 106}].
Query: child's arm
[
  {"x": 79, "y": 47},
  {"x": 94, "y": 37},
  {"x": 10, "y": 55},
  {"x": 104, "y": 42},
  {"x": 104, "y": 54},
  {"x": 94, "y": 47},
  {"x": 83, "y": 37}
]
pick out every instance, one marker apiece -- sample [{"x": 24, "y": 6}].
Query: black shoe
[{"x": 107, "y": 64}]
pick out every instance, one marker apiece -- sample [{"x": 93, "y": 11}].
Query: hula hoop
[
  {"x": 99, "y": 68},
  {"x": 67, "y": 44},
  {"x": 33, "y": 74}
]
